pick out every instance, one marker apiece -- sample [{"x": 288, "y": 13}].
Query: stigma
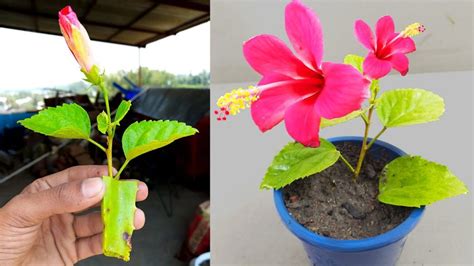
[{"x": 233, "y": 102}]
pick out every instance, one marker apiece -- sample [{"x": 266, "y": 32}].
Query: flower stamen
[
  {"x": 412, "y": 30},
  {"x": 233, "y": 102}
]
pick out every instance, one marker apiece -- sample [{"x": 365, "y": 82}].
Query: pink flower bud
[{"x": 76, "y": 38}]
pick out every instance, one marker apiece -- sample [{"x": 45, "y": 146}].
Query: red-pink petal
[
  {"x": 269, "y": 55},
  {"x": 384, "y": 30},
  {"x": 305, "y": 33},
  {"x": 400, "y": 63},
  {"x": 68, "y": 14},
  {"x": 272, "y": 79},
  {"x": 272, "y": 103},
  {"x": 403, "y": 45},
  {"x": 345, "y": 89},
  {"x": 364, "y": 34},
  {"x": 302, "y": 122},
  {"x": 376, "y": 68}
]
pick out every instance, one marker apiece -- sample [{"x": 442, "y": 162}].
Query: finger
[
  {"x": 91, "y": 224},
  {"x": 89, "y": 246},
  {"x": 88, "y": 224},
  {"x": 139, "y": 221},
  {"x": 142, "y": 192},
  {"x": 68, "y": 175},
  {"x": 66, "y": 198},
  {"x": 77, "y": 173}
]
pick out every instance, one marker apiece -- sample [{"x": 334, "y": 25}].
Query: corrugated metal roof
[{"x": 133, "y": 22}]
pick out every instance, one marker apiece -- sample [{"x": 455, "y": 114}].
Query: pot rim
[{"x": 387, "y": 238}]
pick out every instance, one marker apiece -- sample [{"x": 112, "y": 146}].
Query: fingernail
[
  {"x": 92, "y": 186},
  {"x": 141, "y": 186}
]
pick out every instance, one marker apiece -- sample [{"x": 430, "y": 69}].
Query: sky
[{"x": 34, "y": 60}]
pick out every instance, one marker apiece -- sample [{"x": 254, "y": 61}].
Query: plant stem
[
  {"x": 97, "y": 144},
  {"x": 117, "y": 176},
  {"x": 364, "y": 148},
  {"x": 364, "y": 117},
  {"x": 347, "y": 163},
  {"x": 376, "y": 137},
  {"x": 110, "y": 140},
  {"x": 106, "y": 99},
  {"x": 110, "y": 131}
]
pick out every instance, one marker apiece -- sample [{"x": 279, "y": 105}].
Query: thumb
[{"x": 66, "y": 198}]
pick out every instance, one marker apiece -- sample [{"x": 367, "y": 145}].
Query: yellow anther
[
  {"x": 412, "y": 30},
  {"x": 236, "y": 100}
]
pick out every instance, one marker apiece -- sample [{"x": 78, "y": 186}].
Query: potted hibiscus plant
[
  {"x": 350, "y": 200},
  {"x": 72, "y": 121}
]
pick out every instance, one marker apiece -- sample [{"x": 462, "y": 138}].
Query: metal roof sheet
[{"x": 133, "y": 22}]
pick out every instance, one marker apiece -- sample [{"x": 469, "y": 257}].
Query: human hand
[{"x": 39, "y": 226}]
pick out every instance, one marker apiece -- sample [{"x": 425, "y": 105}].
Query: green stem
[
  {"x": 364, "y": 148},
  {"x": 117, "y": 176},
  {"x": 110, "y": 140},
  {"x": 118, "y": 212},
  {"x": 347, "y": 163},
  {"x": 110, "y": 131},
  {"x": 376, "y": 137},
  {"x": 97, "y": 144},
  {"x": 106, "y": 99},
  {"x": 364, "y": 117}
]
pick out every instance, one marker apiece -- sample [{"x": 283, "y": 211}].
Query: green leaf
[
  {"x": 332, "y": 122},
  {"x": 355, "y": 61},
  {"x": 145, "y": 136},
  {"x": 122, "y": 110},
  {"x": 412, "y": 181},
  {"x": 403, "y": 107},
  {"x": 296, "y": 161},
  {"x": 102, "y": 122},
  {"x": 69, "y": 121}
]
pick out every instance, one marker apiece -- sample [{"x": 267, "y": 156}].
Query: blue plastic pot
[{"x": 383, "y": 250}]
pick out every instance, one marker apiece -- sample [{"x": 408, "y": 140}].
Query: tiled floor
[{"x": 158, "y": 241}]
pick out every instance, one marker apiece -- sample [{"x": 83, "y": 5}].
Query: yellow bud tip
[
  {"x": 233, "y": 102},
  {"x": 412, "y": 30}
]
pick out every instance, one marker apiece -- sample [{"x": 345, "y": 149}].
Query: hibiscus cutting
[
  {"x": 301, "y": 89},
  {"x": 388, "y": 50},
  {"x": 72, "y": 121}
]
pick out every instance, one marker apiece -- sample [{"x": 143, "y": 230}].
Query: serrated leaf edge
[
  {"x": 405, "y": 89},
  {"x": 21, "y": 122},
  {"x": 167, "y": 143},
  {"x": 383, "y": 179},
  {"x": 265, "y": 186}
]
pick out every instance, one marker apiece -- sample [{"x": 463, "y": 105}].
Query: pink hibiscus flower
[
  {"x": 388, "y": 49},
  {"x": 301, "y": 89}
]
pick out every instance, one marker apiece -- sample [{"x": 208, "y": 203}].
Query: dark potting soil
[{"x": 331, "y": 204}]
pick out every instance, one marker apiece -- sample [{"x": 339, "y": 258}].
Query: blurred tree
[{"x": 160, "y": 79}]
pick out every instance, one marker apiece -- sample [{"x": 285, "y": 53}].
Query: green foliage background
[{"x": 160, "y": 78}]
